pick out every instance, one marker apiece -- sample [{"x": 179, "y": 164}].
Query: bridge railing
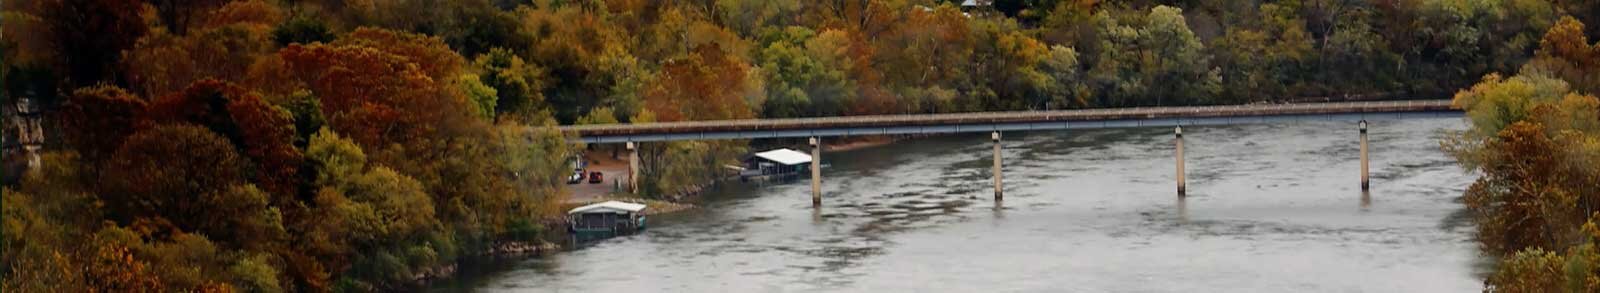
[{"x": 1009, "y": 117}]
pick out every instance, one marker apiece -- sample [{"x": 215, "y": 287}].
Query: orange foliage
[
  {"x": 95, "y": 120},
  {"x": 162, "y": 63},
  {"x": 429, "y": 53},
  {"x": 1565, "y": 52},
  {"x": 114, "y": 269},
  {"x": 264, "y": 133},
  {"x": 257, "y": 14},
  {"x": 373, "y": 96},
  {"x": 875, "y": 99},
  {"x": 706, "y": 85}
]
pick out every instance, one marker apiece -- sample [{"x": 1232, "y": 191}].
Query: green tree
[
  {"x": 517, "y": 84},
  {"x": 798, "y": 85},
  {"x": 483, "y": 97},
  {"x": 1149, "y": 63},
  {"x": 601, "y": 115},
  {"x": 302, "y": 30}
]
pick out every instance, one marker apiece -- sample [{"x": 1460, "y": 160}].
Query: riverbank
[{"x": 860, "y": 142}]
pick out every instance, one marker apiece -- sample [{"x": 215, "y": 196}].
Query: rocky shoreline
[{"x": 501, "y": 250}]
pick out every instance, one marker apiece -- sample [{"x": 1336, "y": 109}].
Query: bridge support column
[
  {"x": 1178, "y": 131},
  {"x": 999, "y": 183},
  {"x": 1364, "y": 177},
  {"x": 633, "y": 168},
  {"x": 816, "y": 172}
]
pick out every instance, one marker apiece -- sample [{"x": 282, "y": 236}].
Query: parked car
[
  {"x": 577, "y": 177},
  {"x": 595, "y": 178}
]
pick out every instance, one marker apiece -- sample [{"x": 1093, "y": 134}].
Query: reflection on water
[
  {"x": 1269, "y": 208},
  {"x": 1366, "y": 201}
]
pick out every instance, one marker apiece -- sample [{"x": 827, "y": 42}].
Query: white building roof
[
  {"x": 610, "y": 206},
  {"x": 785, "y": 156}
]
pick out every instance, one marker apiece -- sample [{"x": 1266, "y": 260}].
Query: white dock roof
[
  {"x": 785, "y": 156},
  {"x": 610, "y": 206}
]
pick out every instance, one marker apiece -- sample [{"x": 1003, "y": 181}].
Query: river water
[{"x": 1271, "y": 208}]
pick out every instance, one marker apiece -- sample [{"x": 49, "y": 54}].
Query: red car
[{"x": 594, "y": 177}]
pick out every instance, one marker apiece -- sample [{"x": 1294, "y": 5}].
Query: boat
[
  {"x": 778, "y": 164},
  {"x": 605, "y": 220}
]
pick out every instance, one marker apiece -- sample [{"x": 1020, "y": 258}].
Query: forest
[{"x": 357, "y": 145}]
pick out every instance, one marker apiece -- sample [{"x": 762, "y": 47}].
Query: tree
[
  {"x": 362, "y": 211},
  {"x": 177, "y": 14},
  {"x": 374, "y": 96},
  {"x": 90, "y": 36},
  {"x": 518, "y": 85},
  {"x": 302, "y": 30},
  {"x": 568, "y": 39},
  {"x": 1013, "y": 72},
  {"x": 798, "y": 85},
  {"x": 932, "y": 49},
  {"x": 474, "y": 27},
  {"x": 1498, "y": 102},
  {"x": 1565, "y": 52},
  {"x": 483, "y": 97},
  {"x": 1265, "y": 63},
  {"x": 162, "y": 63},
  {"x": 707, "y": 85},
  {"x": 1145, "y": 65},
  {"x": 428, "y": 53},
  {"x": 95, "y": 120},
  {"x": 1065, "y": 87},
  {"x": 747, "y": 17},
  {"x": 537, "y": 160},
  {"x": 173, "y": 174},
  {"x": 601, "y": 115},
  {"x": 263, "y": 132}
]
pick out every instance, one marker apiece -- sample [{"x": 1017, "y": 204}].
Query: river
[{"x": 1271, "y": 208}]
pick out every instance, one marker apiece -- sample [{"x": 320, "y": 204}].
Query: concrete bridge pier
[
  {"x": 1364, "y": 177},
  {"x": 633, "y": 168},
  {"x": 999, "y": 185},
  {"x": 816, "y": 172},
  {"x": 1179, "y": 140}
]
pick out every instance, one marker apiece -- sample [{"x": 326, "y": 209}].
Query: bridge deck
[{"x": 1011, "y": 121}]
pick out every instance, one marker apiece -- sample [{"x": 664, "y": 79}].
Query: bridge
[{"x": 997, "y": 122}]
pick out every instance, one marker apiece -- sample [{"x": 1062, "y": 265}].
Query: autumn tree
[
  {"x": 176, "y": 15},
  {"x": 568, "y": 42},
  {"x": 1261, "y": 64},
  {"x": 376, "y": 96},
  {"x": 706, "y": 85},
  {"x": 1533, "y": 140},
  {"x": 174, "y": 175},
  {"x": 223, "y": 46},
  {"x": 90, "y": 36},
  {"x": 263, "y": 132},
  {"x": 95, "y": 120},
  {"x": 1565, "y": 52},
  {"x": 364, "y": 212}
]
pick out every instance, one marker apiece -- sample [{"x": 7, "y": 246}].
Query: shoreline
[
  {"x": 674, "y": 203},
  {"x": 862, "y": 142}
]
